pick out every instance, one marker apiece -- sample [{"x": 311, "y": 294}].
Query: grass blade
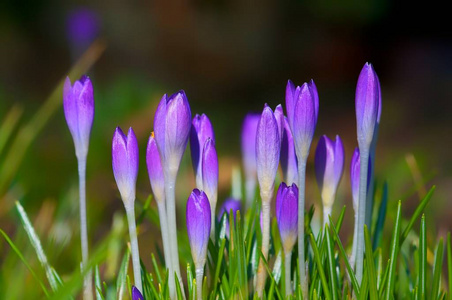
[
  {"x": 318, "y": 262},
  {"x": 381, "y": 217},
  {"x": 449, "y": 264},
  {"x": 422, "y": 277},
  {"x": 395, "y": 242},
  {"x": 370, "y": 266},
  {"x": 331, "y": 264},
  {"x": 437, "y": 268}
]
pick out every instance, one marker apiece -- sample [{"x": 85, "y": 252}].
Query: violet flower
[
  {"x": 267, "y": 159},
  {"x": 125, "y": 169},
  {"x": 287, "y": 218},
  {"x": 210, "y": 177},
  {"x": 329, "y": 166},
  {"x": 136, "y": 294},
  {"x": 280, "y": 119},
  {"x": 198, "y": 217},
  {"x": 201, "y": 130},
  {"x": 228, "y": 206},
  {"x": 78, "y": 103},
  {"x": 289, "y": 161},
  {"x": 82, "y": 28},
  {"x": 249, "y": 129}
]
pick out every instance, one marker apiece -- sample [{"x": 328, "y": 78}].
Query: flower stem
[
  {"x": 355, "y": 236},
  {"x": 164, "y": 229},
  {"x": 130, "y": 211},
  {"x": 287, "y": 264},
  {"x": 301, "y": 200},
  {"x": 261, "y": 272},
  {"x": 170, "y": 182},
  {"x": 364, "y": 158},
  {"x": 87, "y": 283},
  {"x": 199, "y": 277},
  {"x": 326, "y": 213}
]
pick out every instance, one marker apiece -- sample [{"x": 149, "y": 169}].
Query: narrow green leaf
[
  {"x": 378, "y": 234},
  {"x": 9, "y": 124},
  {"x": 370, "y": 266},
  {"x": 122, "y": 275},
  {"x": 393, "y": 253},
  {"x": 320, "y": 267},
  {"x": 331, "y": 264},
  {"x": 156, "y": 268},
  {"x": 449, "y": 264},
  {"x": 422, "y": 277},
  {"x": 437, "y": 268},
  {"x": 98, "y": 284}
]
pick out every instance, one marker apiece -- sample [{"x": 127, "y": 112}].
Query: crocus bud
[
  {"x": 198, "y": 217},
  {"x": 125, "y": 164},
  {"x": 302, "y": 110},
  {"x": 201, "y": 130},
  {"x": 136, "y": 294},
  {"x": 366, "y": 103},
  {"x": 172, "y": 123},
  {"x": 279, "y": 116},
  {"x": 289, "y": 162},
  {"x": 267, "y": 152},
  {"x": 210, "y": 174},
  {"x": 78, "y": 102},
  {"x": 229, "y": 205},
  {"x": 287, "y": 215},
  {"x": 155, "y": 170},
  {"x": 329, "y": 165},
  {"x": 249, "y": 129},
  {"x": 354, "y": 177}
]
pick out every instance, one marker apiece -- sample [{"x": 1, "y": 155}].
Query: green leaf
[
  {"x": 331, "y": 264},
  {"x": 121, "y": 279},
  {"x": 378, "y": 234},
  {"x": 449, "y": 263},
  {"x": 422, "y": 277},
  {"x": 393, "y": 253},
  {"x": 437, "y": 268},
  {"x": 97, "y": 284},
  {"x": 320, "y": 267},
  {"x": 370, "y": 266}
]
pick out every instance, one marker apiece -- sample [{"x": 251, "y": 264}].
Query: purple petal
[
  {"x": 279, "y": 116},
  {"x": 198, "y": 216},
  {"x": 125, "y": 163},
  {"x": 160, "y": 126},
  {"x": 287, "y": 214},
  {"x": 249, "y": 130},
  {"x": 267, "y": 150},
  {"x": 289, "y": 162},
  {"x": 155, "y": 170},
  {"x": 304, "y": 121},
  {"x": 366, "y": 104},
  {"x": 210, "y": 171},
  {"x": 315, "y": 95},
  {"x": 136, "y": 294},
  {"x": 201, "y": 130},
  {"x": 228, "y": 205},
  {"x": 290, "y": 101},
  {"x": 354, "y": 176},
  {"x": 339, "y": 158}
]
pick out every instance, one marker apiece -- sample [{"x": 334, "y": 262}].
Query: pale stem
[
  {"x": 250, "y": 190},
  {"x": 261, "y": 272},
  {"x": 355, "y": 236},
  {"x": 170, "y": 196},
  {"x": 199, "y": 277},
  {"x": 213, "y": 205},
  {"x": 87, "y": 283},
  {"x": 326, "y": 213},
  {"x": 287, "y": 264},
  {"x": 364, "y": 158},
  {"x": 370, "y": 193},
  {"x": 130, "y": 211},
  {"x": 301, "y": 200},
  {"x": 164, "y": 230}
]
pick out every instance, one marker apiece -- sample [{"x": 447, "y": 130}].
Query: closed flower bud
[
  {"x": 125, "y": 164},
  {"x": 155, "y": 170},
  {"x": 329, "y": 166},
  {"x": 172, "y": 125},
  {"x": 367, "y": 102},
  {"x": 279, "y": 116},
  {"x": 287, "y": 215},
  {"x": 198, "y": 217},
  {"x": 289, "y": 162},
  {"x": 78, "y": 102},
  {"x": 201, "y": 130},
  {"x": 136, "y": 294},
  {"x": 267, "y": 151},
  {"x": 210, "y": 174},
  {"x": 302, "y": 105}
]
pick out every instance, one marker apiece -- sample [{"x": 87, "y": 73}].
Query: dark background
[{"x": 230, "y": 57}]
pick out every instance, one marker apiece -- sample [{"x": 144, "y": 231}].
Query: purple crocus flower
[
  {"x": 210, "y": 174},
  {"x": 354, "y": 177},
  {"x": 289, "y": 162},
  {"x": 172, "y": 124},
  {"x": 267, "y": 152},
  {"x": 78, "y": 102},
  {"x": 287, "y": 215},
  {"x": 302, "y": 105},
  {"x": 329, "y": 166},
  {"x": 155, "y": 170},
  {"x": 228, "y": 205},
  {"x": 198, "y": 217},
  {"x": 136, "y": 294},
  {"x": 125, "y": 164},
  {"x": 201, "y": 130},
  {"x": 366, "y": 103},
  {"x": 249, "y": 129},
  {"x": 279, "y": 116}
]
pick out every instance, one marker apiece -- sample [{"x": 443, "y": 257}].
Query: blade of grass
[
  {"x": 331, "y": 263},
  {"x": 449, "y": 264},
  {"x": 437, "y": 268},
  {"x": 97, "y": 284},
  {"x": 121, "y": 279},
  {"x": 381, "y": 217},
  {"x": 417, "y": 213},
  {"x": 9, "y": 124},
  {"x": 320, "y": 267},
  {"x": 395, "y": 242},
  {"x": 422, "y": 277},
  {"x": 22, "y": 258},
  {"x": 370, "y": 266}
]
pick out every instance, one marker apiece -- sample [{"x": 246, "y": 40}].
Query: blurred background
[{"x": 230, "y": 57}]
